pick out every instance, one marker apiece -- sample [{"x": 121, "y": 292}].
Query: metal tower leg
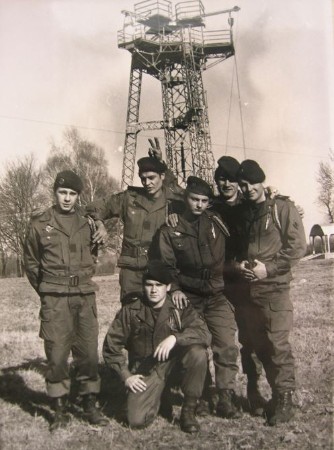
[{"x": 131, "y": 126}]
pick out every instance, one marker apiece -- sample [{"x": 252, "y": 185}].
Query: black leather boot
[
  {"x": 226, "y": 407},
  {"x": 91, "y": 413},
  {"x": 188, "y": 422},
  {"x": 256, "y": 402},
  {"x": 61, "y": 418},
  {"x": 283, "y": 410}
]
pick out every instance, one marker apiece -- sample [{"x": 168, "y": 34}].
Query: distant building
[{"x": 322, "y": 240}]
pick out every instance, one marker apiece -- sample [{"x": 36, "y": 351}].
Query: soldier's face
[
  {"x": 253, "y": 192},
  {"x": 156, "y": 292},
  {"x": 152, "y": 183},
  {"x": 228, "y": 189},
  {"x": 66, "y": 199},
  {"x": 197, "y": 203}
]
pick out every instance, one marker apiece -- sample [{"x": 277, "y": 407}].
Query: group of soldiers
[{"x": 194, "y": 269}]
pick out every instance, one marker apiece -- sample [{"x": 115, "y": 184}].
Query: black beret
[
  {"x": 158, "y": 271},
  {"x": 68, "y": 179},
  {"x": 150, "y": 164},
  {"x": 251, "y": 172},
  {"x": 198, "y": 186},
  {"x": 227, "y": 168}
]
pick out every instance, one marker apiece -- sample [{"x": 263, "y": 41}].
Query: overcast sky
[{"x": 60, "y": 65}]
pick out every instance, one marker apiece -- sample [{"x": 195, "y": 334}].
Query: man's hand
[
  {"x": 245, "y": 272},
  {"x": 135, "y": 383},
  {"x": 172, "y": 220},
  {"x": 155, "y": 151},
  {"x": 260, "y": 270},
  {"x": 101, "y": 234},
  {"x": 164, "y": 348},
  {"x": 272, "y": 191},
  {"x": 180, "y": 299}
]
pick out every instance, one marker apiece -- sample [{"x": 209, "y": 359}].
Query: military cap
[
  {"x": 158, "y": 271},
  {"x": 251, "y": 172},
  {"x": 227, "y": 168},
  {"x": 198, "y": 186},
  {"x": 68, "y": 179},
  {"x": 150, "y": 164}
]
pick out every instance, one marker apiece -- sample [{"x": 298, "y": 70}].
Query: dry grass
[{"x": 25, "y": 411}]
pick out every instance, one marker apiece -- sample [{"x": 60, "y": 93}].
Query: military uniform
[
  {"x": 195, "y": 253},
  {"x": 272, "y": 232},
  {"x": 139, "y": 331},
  {"x": 59, "y": 265},
  {"x": 236, "y": 290},
  {"x": 142, "y": 216}
]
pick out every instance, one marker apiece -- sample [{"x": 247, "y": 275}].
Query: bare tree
[
  {"x": 20, "y": 193},
  {"x": 325, "y": 179},
  {"x": 87, "y": 160}
]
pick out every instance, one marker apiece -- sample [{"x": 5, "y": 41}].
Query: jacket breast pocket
[
  {"x": 133, "y": 223},
  {"x": 49, "y": 239}
]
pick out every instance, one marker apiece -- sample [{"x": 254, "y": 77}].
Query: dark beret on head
[
  {"x": 251, "y": 172},
  {"x": 158, "y": 271},
  {"x": 150, "y": 164},
  {"x": 227, "y": 168},
  {"x": 198, "y": 186},
  {"x": 69, "y": 180}
]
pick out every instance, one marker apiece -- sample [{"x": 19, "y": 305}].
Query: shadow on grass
[
  {"x": 112, "y": 398},
  {"x": 14, "y": 390}
]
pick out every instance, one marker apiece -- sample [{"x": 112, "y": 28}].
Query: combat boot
[
  {"x": 226, "y": 407},
  {"x": 256, "y": 401},
  {"x": 61, "y": 418},
  {"x": 91, "y": 413},
  {"x": 188, "y": 422},
  {"x": 284, "y": 409}
]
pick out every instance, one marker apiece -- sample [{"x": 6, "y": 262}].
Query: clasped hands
[{"x": 258, "y": 272}]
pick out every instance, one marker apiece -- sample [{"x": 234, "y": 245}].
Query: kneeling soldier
[
  {"x": 157, "y": 337},
  {"x": 60, "y": 265}
]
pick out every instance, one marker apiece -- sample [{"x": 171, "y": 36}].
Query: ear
[
  {"x": 163, "y": 175},
  {"x": 169, "y": 286}
]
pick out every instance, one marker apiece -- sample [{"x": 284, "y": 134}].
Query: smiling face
[
  {"x": 152, "y": 183},
  {"x": 156, "y": 292},
  {"x": 253, "y": 192},
  {"x": 66, "y": 199},
  {"x": 228, "y": 189},
  {"x": 196, "y": 203}
]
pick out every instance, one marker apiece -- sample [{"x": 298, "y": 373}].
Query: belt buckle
[
  {"x": 142, "y": 251},
  {"x": 74, "y": 280}
]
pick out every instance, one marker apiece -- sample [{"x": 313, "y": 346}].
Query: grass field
[{"x": 25, "y": 410}]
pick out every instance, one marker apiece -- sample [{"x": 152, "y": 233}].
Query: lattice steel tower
[{"x": 175, "y": 49}]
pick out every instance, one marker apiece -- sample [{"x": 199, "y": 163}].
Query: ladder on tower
[{"x": 174, "y": 49}]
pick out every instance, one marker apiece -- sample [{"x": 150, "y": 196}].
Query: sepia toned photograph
[{"x": 166, "y": 224}]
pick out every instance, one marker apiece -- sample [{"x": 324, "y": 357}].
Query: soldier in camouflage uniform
[{"x": 60, "y": 265}]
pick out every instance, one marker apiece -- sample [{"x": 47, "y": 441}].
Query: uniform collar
[
  {"x": 144, "y": 313},
  {"x": 144, "y": 201},
  {"x": 50, "y": 218}
]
